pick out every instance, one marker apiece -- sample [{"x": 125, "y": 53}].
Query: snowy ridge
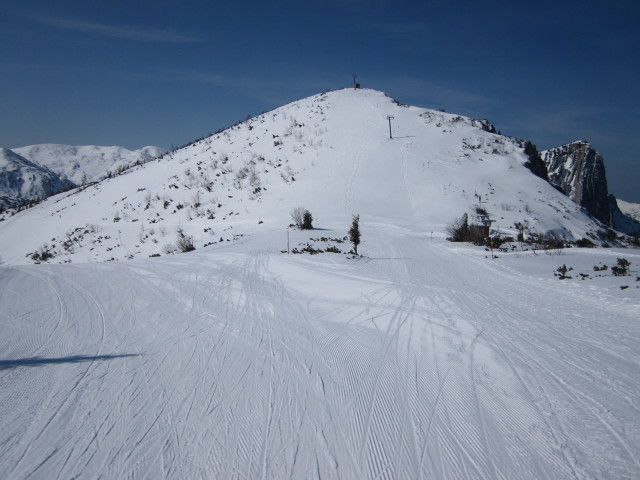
[
  {"x": 630, "y": 209},
  {"x": 625, "y": 215},
  {"x": 330, "y": 153}
]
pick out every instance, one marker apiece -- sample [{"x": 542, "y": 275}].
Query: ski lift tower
[{"x": 483, "y": 219}]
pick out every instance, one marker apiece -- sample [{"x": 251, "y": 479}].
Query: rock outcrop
[{"x": 578, "y": 170}]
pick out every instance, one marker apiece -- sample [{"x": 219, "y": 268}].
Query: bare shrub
[
  {"x": 184, "y": 243},
  {"x": 169, "y": 249}
]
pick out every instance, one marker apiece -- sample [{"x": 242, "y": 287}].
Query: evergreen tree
[{"x": 354, "y": 233}]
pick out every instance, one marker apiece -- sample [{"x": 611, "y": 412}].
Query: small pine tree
[
  {"x": 354, "y": 233},
  {"x": 622, "y": 269},
  {"x": 458, "y": 230},
  {"x": 307, "y": 221}
]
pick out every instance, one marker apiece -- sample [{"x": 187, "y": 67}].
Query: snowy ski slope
[{"x": 420, "y": 360}]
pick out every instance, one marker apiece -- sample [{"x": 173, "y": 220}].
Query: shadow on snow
[{"x": 39, "y": 361}]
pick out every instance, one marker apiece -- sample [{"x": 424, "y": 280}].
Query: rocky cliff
[{"x": 578, "y": 170}]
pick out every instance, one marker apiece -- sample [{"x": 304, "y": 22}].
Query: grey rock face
[{"x": 578, "y": 170}]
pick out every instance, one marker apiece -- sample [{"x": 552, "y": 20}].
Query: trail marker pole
[
  {"x": 288, "y": 250},
  {"x": 390, "y": 117}
]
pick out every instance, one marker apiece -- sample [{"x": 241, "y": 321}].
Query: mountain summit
[{"x": 337, "y": 154}]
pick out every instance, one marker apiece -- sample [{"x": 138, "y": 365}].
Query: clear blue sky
[{"x": 165, "y": 72}]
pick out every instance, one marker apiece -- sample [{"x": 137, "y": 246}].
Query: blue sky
[{"x": 165, "y": 72}]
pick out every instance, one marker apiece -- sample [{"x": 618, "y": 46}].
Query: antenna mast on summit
[{"x": 355, "y": 82}]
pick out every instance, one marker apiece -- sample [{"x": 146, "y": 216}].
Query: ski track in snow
[{"x": 415, "y": 362}]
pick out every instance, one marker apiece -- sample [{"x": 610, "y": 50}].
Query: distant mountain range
[
  {"x": 337, "y": 154},
  {"x": 39, "y": 171}
]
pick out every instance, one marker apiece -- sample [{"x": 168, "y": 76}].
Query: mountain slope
[{"x": 330, "y": 153}]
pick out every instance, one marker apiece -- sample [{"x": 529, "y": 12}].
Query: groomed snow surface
[{"x": 422, "y": 359}]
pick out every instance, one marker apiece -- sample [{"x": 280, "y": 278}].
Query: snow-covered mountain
[
  {"x": 22, "y": 179},
  {"x": 86, "y": 163},
  {"x": 38, "y": 171},
  {"x": 331, "y": 153},
  {"x": 626, "y": 216},
  {"x": 421, "y": 359},
  {"x": 630, "y": 209}
]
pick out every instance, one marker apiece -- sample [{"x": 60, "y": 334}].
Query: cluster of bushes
[
  {"x": 303, "y": 220},
  {"x": 42, "y": 254},
  {"x": 460, "y": 231},
  {"x": 320, "y": 245},
  {"x": 184, "y": 243},
  {"x": 621, "y": 269}
]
